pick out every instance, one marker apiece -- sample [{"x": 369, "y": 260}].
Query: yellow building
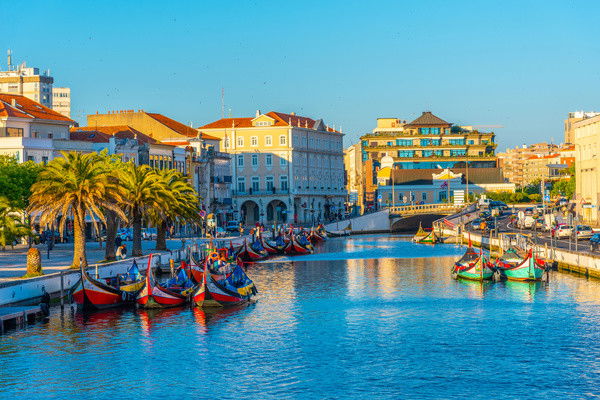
[
  {"x": 587, "y": 167},
  {"x": 428, "y": 142},
  {"x": 285, "y": 167}
]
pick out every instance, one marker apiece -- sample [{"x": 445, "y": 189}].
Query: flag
[{"x": 449, "y": 224}]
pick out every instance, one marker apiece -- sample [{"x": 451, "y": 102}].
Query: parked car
[
  {"x": 220, "y": 232},
  {"x": 595, "y": 241},
  {"x": 583, "y": 232},
  {"x": 529, "y": 211},
  {"x": 232, "y": 226},
  {"x": 562, "y": 231},
  {"x": 476, "y": 224},
  {"x": 540, "y": 223},
  {"x": 149, "y": 233},
  {"x": 125, "y": 233}
]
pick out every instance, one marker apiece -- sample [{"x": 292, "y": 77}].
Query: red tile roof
[
  {"x": 179, "y": 127},
  {"x": 101, "y": 134},
  {"x": 281, "y": 119},
  {"x": 27, "y": 108},
  {"x": 427, "y": 119}
]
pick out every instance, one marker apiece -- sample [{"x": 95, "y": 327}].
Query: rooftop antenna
[
  {"x": 9, "y": 59},
  {"x": 222, "y": 102}
]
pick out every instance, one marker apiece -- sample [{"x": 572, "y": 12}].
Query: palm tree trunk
[
  {"x": 111, "y": 235},
  {"x": 161, "y": 236},
  {"x": 78, "y": 238},
  {"x": 137, "y": 233}
]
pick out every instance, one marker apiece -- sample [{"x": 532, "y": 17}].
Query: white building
[
  {"x": 61, "y": 100},
  {"x": 286, "y": 167}
]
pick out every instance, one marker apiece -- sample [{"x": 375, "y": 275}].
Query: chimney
[
  {"x": 292, "y": 113},
  {"x": 257, "y": 113},
  {"x": 13, "y": 102}
]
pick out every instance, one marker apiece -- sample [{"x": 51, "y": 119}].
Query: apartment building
[
  {"x": 61, "y": 100},
  {"x": 354, "y": 176},
  {"x": 572, "y": 118},
  {"x": 587, "y": 167},
  {"x": 286, "y": 168}
]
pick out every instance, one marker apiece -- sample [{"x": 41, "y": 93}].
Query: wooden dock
[{"x": 18, "y": 316}]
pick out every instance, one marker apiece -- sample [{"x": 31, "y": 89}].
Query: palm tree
[
  {"x": 75, "y": 185},
  {"x": 181, "y": 206},
  {"x": 143, "y": 191},
  {"x": 11, "y": 227}
]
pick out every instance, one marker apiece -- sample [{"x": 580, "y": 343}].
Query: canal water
[{"x": 366, "y": 317}]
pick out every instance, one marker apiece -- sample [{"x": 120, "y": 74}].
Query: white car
[
  {"x": 562, "y": 231},
  {"x": 583, "y": 232}
]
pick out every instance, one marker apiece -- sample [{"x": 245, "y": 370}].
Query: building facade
[
  {"x": 428, "y": 142},
  {"x": 528, "y": 164},
  {"x": 354, "y": 177},
  {"x": 286, "y": 168},
  {"x": 31, "y": 131},
  {"x": 587, "y": 167},
  {"x": 28, "y": 82},
  {"x": 61, "y": 100},
  {"x": 572, "y": 118}
]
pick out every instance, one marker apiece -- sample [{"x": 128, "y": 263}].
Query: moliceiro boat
[
  {"x": 224, "y": 283},
  {"x": 298, "y": 244},
  {"x": 515, "y": 268},
  {"x": 95, "y": 294},
  {"x": 273, "y": 247},
  {"x": 174, "y": 292},
  {"x": 314, "y": 237},
  {"x": 253, "y": 252},
  {"x": 473, "y": 266},
  {"x": 424, "y": 236}
]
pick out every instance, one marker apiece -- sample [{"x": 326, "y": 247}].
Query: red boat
[
  {"x": 174, "y": 293},
  {"x": 314, "y": 237},
  {"x": 253, "y": 252},
  {"x": 223, "y": 290},
  {"x": 93, "y": 294},
  {"x": 274, "y": 247},
  {"x": 298, "y": 244}
]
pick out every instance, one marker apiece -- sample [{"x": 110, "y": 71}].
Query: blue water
[{"x": 388, "y": 326}]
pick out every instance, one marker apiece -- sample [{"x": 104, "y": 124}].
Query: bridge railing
[{"x": 426, "y": 208}]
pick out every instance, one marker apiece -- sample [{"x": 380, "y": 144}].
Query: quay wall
[
  {"x": 30, "y": 290},
  {"x": 375, "y": 222}
]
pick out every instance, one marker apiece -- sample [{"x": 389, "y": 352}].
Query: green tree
[
  {"x": 11, "y": 227},
  {"x": 17, "y": 179},
  {"x": 181, "y": 205},
  {"x": 143, "y": 191},
  {"x": 75, "y": 185}
]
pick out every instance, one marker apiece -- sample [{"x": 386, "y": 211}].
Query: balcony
[{"x": 251, "y": 192}]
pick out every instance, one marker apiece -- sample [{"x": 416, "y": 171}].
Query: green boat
[
  {"x": 473, "y": 266},
  {"x": 420, "y": 234},
  {"x": 527, "y": 269}
]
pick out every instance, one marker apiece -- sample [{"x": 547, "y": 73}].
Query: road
[{"x": 543, "y": 238}]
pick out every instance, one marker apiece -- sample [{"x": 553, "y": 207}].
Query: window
[
  {"x": 404, "y": 142},
  {"x": 269, "y": 160},
  {"x": 255, "y": 183},
  {"x": 44, "y": 160},
  {"x": 268, "y": 140},
  {"x": 283, "y": 182},
  {"x": 438, "y": 153},
  {"x": 270, "y": 185},
  {"x": 263, "y": 123},
  {"x": 240, "y": 141},
  {"x": 254, "y": 141},
  {"x": 30, "y": 158},
  {"x": 424, "y": 131},
  {"x": 424, "y": 196},
  {"x": 226, "y": 143},
  {"x": 434, "y": 131},
  {"x": 471, "y": 142},
  {"x": 240, "y": 160},
  {"x": 457, "y": 153},
  {"x": 255, "y": 160},
  {"x": 457, "y": 142},
  {"x": 241, "y": 184},
  {"x": 282, "y": 140},
  {"x": 406, "y": 153},
  {"x": 427, "y": 153},
  {"x": 11, "y": 132},
  {"x": 390, "y": 143},
  {"x": 282, "y": 159},
  {"x": 430, "y": 142}
]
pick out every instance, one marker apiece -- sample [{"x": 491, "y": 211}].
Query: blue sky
[{"x": 519, "y": 64}]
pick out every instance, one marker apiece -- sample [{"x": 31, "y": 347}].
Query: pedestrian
[
  {"x": 122, "y": 252},
  {"x": 241, "y": 229},
  {"x": 118, "y": 241}
]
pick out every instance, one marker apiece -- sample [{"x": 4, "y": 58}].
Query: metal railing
[{"x": 426, "y": 208}]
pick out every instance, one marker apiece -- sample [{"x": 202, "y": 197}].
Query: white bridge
[{"x": 388, "y": 218}]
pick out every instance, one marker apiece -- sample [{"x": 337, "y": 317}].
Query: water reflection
[{"x": 386, "y": 326}]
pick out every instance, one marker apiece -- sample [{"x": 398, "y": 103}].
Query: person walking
[{"x": 121, "y": 252}]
